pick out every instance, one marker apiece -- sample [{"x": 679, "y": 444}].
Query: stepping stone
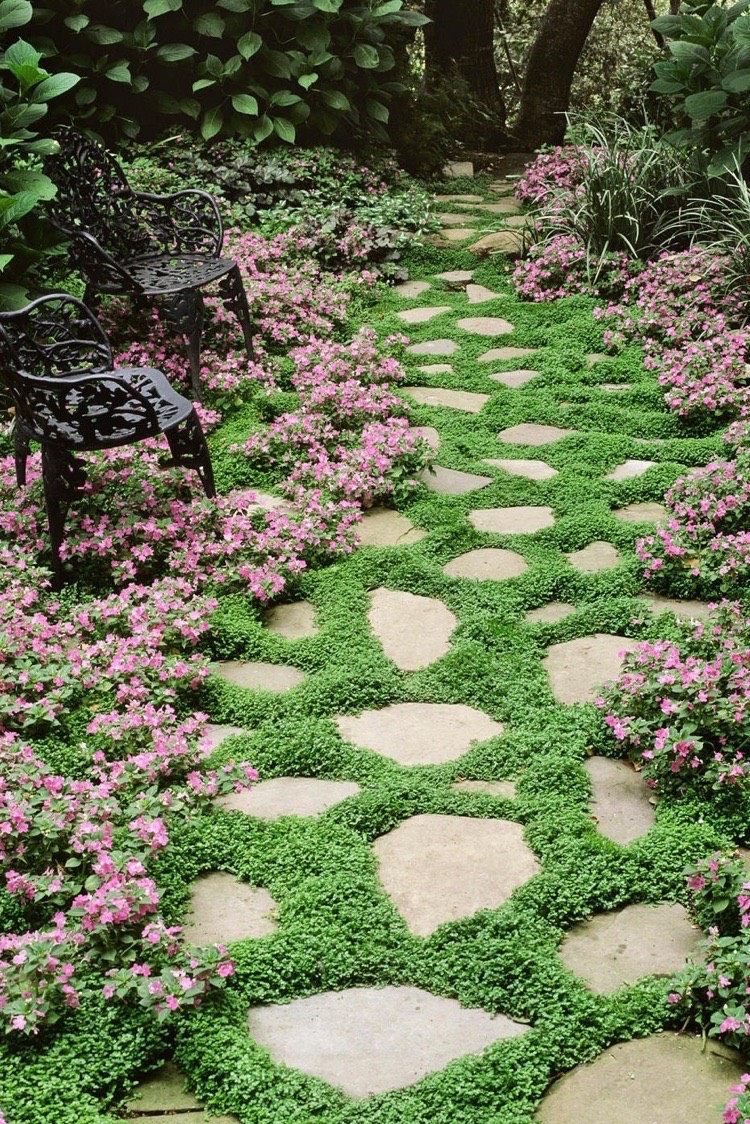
[
  {"x": 578, "y": 669},
  {"x": 411, "y": 289},
  {"x": 434, "y": 347},
  {"x": 258, "y": 676},
  {"x": 506, "y": 789},
  {"x": 456, "y": 278},
  {"x": 294, "y": 621},
  {"x": 383, "y": 527},
  {"x": 478, "y": 294},
  {"x": 162, "y": 1096},
  {"x": 485, "y": 326},
  {"x": 641, "y": 513},
  {"x": 614, "y": 387},
  {"x": 487, "y": 564},
  {"x": 288, "y": 796},
  {"x": 614, "y": 949},
  {"x": 419, "y": 733},
  {"x": 436, "y": 369},
  {"x": 514, "y": 380},
  {"x": 459, "y": 198},
  {"x": 368, "y": 1040},
  {"x": 629, "y": 469},
  {"x": 422, "y": 315},
  {"x": 224, "y": 909},
  {"x": 445, "y": 218},
  {"x": 502, "y": 187},
  {"x": 457, "y": 169},
  {"x": 508, "y": 242},
  {"x": 438, "y": 869},
  {"x": 451, "y": 482},
  {"x": 455, "y": 234},
  {"x": 215, "y": 735},
  {"x": 512, "y": 520},
  {"x": 665, "y": 1079},
  {"x": 453, "y": 399},
  {"x": 428, "y": 434},
  {"x": 530, "y": 434},
  {"x": 501, "y": 354},
  {"x": 516, "y": 222},
  {"x": 414, "y": 631},
  {"x": 507, "y": 206},
  {"x": 550, "y": 614},
  {"x": 594, "y": 557},
  {"x": 531, "y": 470},
  {"x": 621, "y": 802},
  {"x": 683, "y": 610},
  {"x": 596, "y": 357}
]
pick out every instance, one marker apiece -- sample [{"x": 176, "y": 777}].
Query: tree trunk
[
  {"x": 461, "y": 39},
  {"x": 554, "y": 56}
]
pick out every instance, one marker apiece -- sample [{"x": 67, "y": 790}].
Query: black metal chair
[
  {"x": 146, "y": 246},
  {"x": 57, "y": 363}
]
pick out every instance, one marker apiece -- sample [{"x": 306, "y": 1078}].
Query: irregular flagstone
[
  {"x": 485, "y": 326},
  {"x": 456, "y": 278},
  {"x": 429, "y": 434},
  {"x": 508, "y": 242},
  {"x": 293, "y": 621},
  {"x": 577, "y": 669},
  {"x": 487, "y": 564},
  {"x": 419, "y": 733},
  {"x": 410, "y": 289},
  {"x": 641, "y": 513},
  {"x": 370, "y": 1040},
  {"x": 596, "y": 357},
  {"x": 500, "y": 354},
  {"x": 455, "y": 399},
  {"x": 434, "y": 347},
  {"x": 162, "y": 1091},
  {"x": 506, "y": 789},
  {"x": 452, "y": 482},
  {"x": 613, "y": 949},
  {"x": 502, "y": 187},
  {"x": 507, "y": 206},
  {"x": 216, "y": 734},
  {"x": 288, "y": 796},
  {"x": 258, "y": 676},
  {"x": 447, "y": 219},
  {"x": 527, "y": 433},
  {"x": 223, "y": 909},
  {"x": 455, "y": 234},
  {"x": 683, "y": 610},
  {"x": 629, "y": 469},
  {"x": 594, "y": 557},
  {"x": 550, "y": 614},
  {"x": 443, "y": 868},
  {"x": 512, "y": 520},
  {"x": 414, "y": 631},
  {"x": 384, "y": 527},
  {"x": 516, "y": 222},
  {"x": 422, "y": 315},
  {"x": 621, "y": 803},
  {"x": 459, "y": 169},
  {"x": 478, "y": 294},
  {"x": 666, "y": 1079},
  {"x": 436, "y": 369},
  {"x": 459, "y": 198},
  {"x": 195, "y": 1117},
  {"x": 531, "y": 470},
  {"x": 514, "y": 379}
]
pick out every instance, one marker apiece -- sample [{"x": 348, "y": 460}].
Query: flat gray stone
[
  {"x": 224, "y": 909},
  {"x": 434, "y": 347},
  {"x": 502, "y": 187},
  {"x": 383, "y": 527},
  {"x": 293, "y": 621},
  {"x": 438, "y": 869},
  {"x": 517, "y": 222},
  {"x": 452, "y": 482},
  {"x": 507, "y": 206},
  {"x": 197, "y": 1117},
  {"x": 594, "y": 557},
  {"x": 487, "y": 564},
  {"x": 411, "y": 289},
  {"x": 478, "y": 294},
  {"x": 683, "y": 610},
  {"x": 508, "y": 242},
  {"x": 216, "y": 734},
  {"x": 596, "y": 357},
  {"x": 551, "y": 613},
  {"x": 445, "y": 218},
  {"x": 512, "y": 520},
  {"x": 614, "y": 949},
  {"x": 455, "y": 234},
  {"x": 578, "y": 669},
  {"x": 528, "y": 433},
  {"x": 642, "y": 513},
  {"x": 614, "y": 387},
  {"x": 459, "y": 198},
  {"x": 436, "y": 369},
  {"x": 505, "y": 789},
  {"x": 419, "y": 733},
  {"x": 414, "y": 631},
  {"x": 162, "y": 1091},
  {"x": 429, "y": 434},
  {"x": 370, "y": 1040},
  {"x": 422, "y": 315},
  {"x": 485, "y": 325},
  {"x": 620, "y": 801},
  {"x": 531, "y": 470},
  {"x": 502, "y": 354},
  {"x": 456, "y": 278},
  {"x": 257, "y": 676},
  {"x": 458, "y": 169},
  {"x": 288, "y": 796},
  {"x": 514, "y": 380},
  {"x": 666, "y": 1079},
  {"x": 629, "y": 469},
  {"x": 454, "y": 399}
]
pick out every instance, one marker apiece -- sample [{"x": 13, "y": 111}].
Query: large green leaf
[
  {"x": 209, "y": 24},
  {"x": 249, "y": 44},
  {"x": 737, "y": 83},
  {"x": 154, "y": 8},
  {"x": 705, "y": 104},
  {"x": 54, "y": 86},
  {"x": 175, "y": 52},
  {"x": 245, "y": 103},
  {"x": 212, "y": 123},
  {"x": 14, "y": 13},
  {"x": 284, "y": 129},
  {"x": 366, "y": 57}
]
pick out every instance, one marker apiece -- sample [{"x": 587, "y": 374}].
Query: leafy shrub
[{"x": 262, "y": 70}]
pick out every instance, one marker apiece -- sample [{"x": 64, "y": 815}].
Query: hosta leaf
[
  {"x": 737, "y": 83},
  {"x": 154, "y": 8},
  {"x": 54, "y": 86},
  {"x": 377, "y": 110},
  {"x": 284, "y": 129},
  {"x": 14, "y": 13},
  {"x": 366, "y": 57},
  {"x": 209, "y": 24},
  {"x": 245, "y": 103},
  {"x": 249, "y": 44},
  {"x": 308, "y": 80},
  {"x": 175, "y": 52},
  {"x": 705, "y": 104},
  {"x": 212, "y": 123},
  {"x": 78, "y": 22}
]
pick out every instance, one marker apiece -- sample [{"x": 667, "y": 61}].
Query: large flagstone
[
  {"x": 414, "y": 631},
  {"x": 502, "y": 354},
  {"x": 629, "y": 469},
  {"x": 531, "y": 470},
  {"x": 294, "y": 620},
  {"x": 288, "y": 796},
  {"x": 419, "y": 733},
  {"x": 487, "y": 564},
  {"x": 434, "y": 347},
  {"x": 642, "y": 513},
  {"x": 512, "y": 520},
  {"x": 514, "y": 380},
  {"x": 596, "y": 556},
  {"x": 161, "y": 1098},
  {"x": 578, "y": 669},
  {"x": 485, "y": 325},
  {"x": 620, "y": 800},
  {"x": 451, "y": 481},
  {"x": 411, "y": 289},
  {"x": 259, "y": 676},
  {"x": 528, "y": 433},
  {"x": 223, "y": 909},
  {"x": 422, "y": 315},
  {"x": 684, "y": 610},
  {"x": 383, "y": 527},
  {"x": 464, "y": 400}
]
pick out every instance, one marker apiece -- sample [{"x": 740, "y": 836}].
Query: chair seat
[{"x": 172, "y": 273}]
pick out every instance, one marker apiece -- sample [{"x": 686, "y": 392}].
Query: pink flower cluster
[
  {"x": 560, "y": 267},
  {"x": 561, "y": 169}
]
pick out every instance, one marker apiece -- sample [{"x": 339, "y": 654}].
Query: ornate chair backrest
[{"x": 54, "y": 335}]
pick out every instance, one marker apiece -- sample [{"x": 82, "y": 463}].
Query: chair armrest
[
  {"x": 91, "y": 250},
  {"x": 186, "y": 221},
  {"x": 117, "y": 410}
]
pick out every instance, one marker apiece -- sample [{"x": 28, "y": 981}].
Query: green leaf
[
  {"x": 245, "y": 103},
  {"x": 377, "y": 110},
  {"x": 366, "y": 57},
  {"x": 235, "y": 5},
  {"x": 284, "y": 129},
  {"x": 277, "y": 63},
  {"x": 209, "y": 24},
  {"x": 327, "y": 5},
  {"x": 335, "y": 99},
  {"x": 308, "y": 80},
  {"x": 249, "y": 44},
  {"x": 706, "y": 104},
  {"x": 388, "y": 7},
  {"x": 285, "y": 98},
  {"x": 203, "y": 84},
  {"x": 104, "y": 36},
  {"x": 737, "y": 83},
  {"x": 120, "y": 72},
  {"x": 411, "y": 19},
  {"x": 77, "y": 23},
  {"x": 154, "y": 8},
  {"x": 263, "y": 129},
  {"x": 212, "y": 123},
  {"x": 14, "y": 13},
  {"x": 20, "y": 57},
  {"x": 54, "y": 86},
  {"x": 175, "y": 52}
]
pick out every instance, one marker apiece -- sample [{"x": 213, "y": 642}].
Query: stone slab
[
  {"x": 551, "y": 613},
  {"x": 216, "y": 734},
  {"x": 456, "y": 278},
  {"x": 620, "y": 800},
  {"x": 384, "y": 527},
  {"x": 224, "y": 909},
  {"x": 422, "y": 315},
  {"x": 429, "y": 434},
  {"x": 464, "y": 400},
  {"x": 458, "y": 169},
  {"x": 370, "y": 1040},
  {"x": 507, "y": 206},
  {"x": 629, "y": 469},
  {"x": 455, "y": 234},
  {"x": 258, "y": 676},
  {"x": 502, "y": 354},
  {"x": 485, "y": 325},
  {"x": 411, "y": 289},
  {"x": 514, "y": 380},
  {"x": 459, "y": 198},
  {"x": 487, "y": 564},
  {"x": 512, "y": 520},
  {"x": 505, "y": 789},
  {"x": 419, "y": 733},
  {"x": 438, "y": 869},
  {"x": 413, "y": 631},
  {"x": 162, "y": 1091},
  {"x": 517, "y": 222},
  {"x": 294, "y": 620},
  {"x": 436, "y": 369},
  {"x": 528, "y": 433},
  {"x": 683, "y": 610},
  {"x": 508, "y": 242},
  {"x": 288, "y": 796},
  {"x": 578, "y": 669},
  {"x": 665, "y": 1079},
  {"x": 452, "y": 482},
  {"x": 529, "y": 469},
  {"x": 479, "y": 294},
  {"x": 446, "y": 218},
  {"x": 642, "y": 513},
  {"x": 596, "y": 556},
  {"x": 434, "y": 347}
]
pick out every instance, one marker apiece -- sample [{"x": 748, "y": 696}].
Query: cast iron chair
[
  {"x": 145, "y": 246},
  {"x": 57, "y": 364}
]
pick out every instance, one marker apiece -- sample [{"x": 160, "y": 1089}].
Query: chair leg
[
  {"x": 189, "y": 448},
  {"x": 21, "y": 449},
  {"x": 186, "y": 312},
  {"x": 62, "y": 475},
  {"x": 233, "y": 294}
]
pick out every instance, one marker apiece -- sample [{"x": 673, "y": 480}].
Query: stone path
[{"x": 163, "y": 1098}]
